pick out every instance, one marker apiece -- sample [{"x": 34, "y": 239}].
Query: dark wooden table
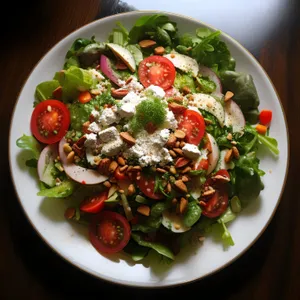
[{"x": 30, "y": 270}]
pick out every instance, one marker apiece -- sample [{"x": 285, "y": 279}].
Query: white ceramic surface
[{"x": 70, "y": 240}]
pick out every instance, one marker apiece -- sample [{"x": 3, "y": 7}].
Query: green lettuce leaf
[
  {"x": 192, "y": 215},
  {"x": 182, "y": 80},
  {"x": 226, "y": 236},
  {"x": 44, "y": 90},
  {"x": 65, "y": 189},
  {"x": 269, "y": 142},
  {"x": 29, "y": 143}
]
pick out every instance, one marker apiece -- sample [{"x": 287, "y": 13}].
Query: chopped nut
[
  {"x": 235, "y": 152},
  {"x": 208, "y": 193},
  {"x": 184, "y": 178},
  {"x": 85, "y": 127},
  {"x": 233, "y": 142},
  {"x": 171, "y": 141},
  {"x": 172, "y": 170},
  {"x": 103, "y": 167},
  {"x": 131, "y": 189},
  {"x": 107, "y": 184},
  {"x": 169, "y": 187},
  {"x": 128, "y": 139},
  {"x": 121, "y": 191},
  {"x": 181, "y": 186},
  {"x": 121, "y": 161},
  {"x": 137, "y": 168},
  {"x": 177, "y": 144},
  {"x": 160, "y": 170},
  {"x": 228, "y": 96},
  {"x": 186, "y": 170},
  {"x": 202, "y": 203},
  {"x": 178, "y": 151},
  {"x": 182, "y": 144},
  {"x": 186, "y": 90},
  {"x": 129, "y": 168},
  {"x": 183, "y": 205},
  {"x": 147, "y": 43},
  {"x": 177, "y": 226},
  {"x": 77, "y": 159},
  {"x": 201, "y": 238},
  {"x": 112, "y": 167},
  {"x": 144, "y": 210},
  {"x": 124, "y": 168},
  {"x": 172, "y": 153},
  {"x": 159, "y": 50},
  {"x": 119, "y": 93},
  {"x": 67, "y": 148},
  {"x": 228, "y": 156},
  {"x": 177, "y": 98},
  {"x": 174, "y": 201},
  {"x": 229, "y": 136},
  {"x": 128, "y": 80},
  {"x": 221, "y": 178},
  {"x": 172, "y": 55},
  {"x": 179, "y": 134},
  {"x": 80, "y": 151},
  {"x": 70, "y": 157}
]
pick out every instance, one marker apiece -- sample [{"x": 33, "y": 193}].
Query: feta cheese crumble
[
  {"x": 156, "y": 90},
  {"x": 149, "y": 148},
  {"x": 91, "y": 140},
  {"x": 94, "y": 127},
  {"x": 191, "y": 151},
  {"x": 170, "y": 120},
  {"x": 108, "y": 117}
]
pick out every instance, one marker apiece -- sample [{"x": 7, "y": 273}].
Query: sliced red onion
[
  {"x": 108, "y": 71},
  {"x": 77, "y": 173}
]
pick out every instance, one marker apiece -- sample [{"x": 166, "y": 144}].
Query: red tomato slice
[
  {"x": 50, "y": 121},
  {"x": 203, "y": 164},
  {"x": 120, "y": 175},
  {"x": 109, "y": 232},
  {"x": 216, "y": 205},
  {"x": 265, "y": 117},
  {"x": 94, "y": 204},
  {"x": 157, "y": 70},
  {"x": 146, "y": 185},
  {"x": 192, "y": 123}
]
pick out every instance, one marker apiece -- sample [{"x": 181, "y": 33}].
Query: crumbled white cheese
[
  {"x": 121, "y": 82},
  {"x": 156, "y": 90},
  {"x": 170, "y": 121},
  {"x": 109, "y": 117},
  {"x": 94, "y": 127},
  {"x": 95, "y": 74},
  {"x": 149, "y": 148},
  {"x": 95, "y": 114},
  {"x": 191, "y": 151},
  {"x": 134, "y": 85},
  {"x": 127, "y": 110},
  {"x": 109, "y": 134},
  {"x": 113, "y": 148},
  {"x": 91, "y": 140}
]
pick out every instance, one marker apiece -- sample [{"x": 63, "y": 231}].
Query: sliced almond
[
  {"x": 208, "y": 193},
  {"x": 181, "y": 186},
  {"x": 107, "y": 184},
  {"x": 121, "y": 161},
  {"x": 147, "y": 43},
  {"x": 184, "y": 178},
  {"x": 124, "y": 168},
  {"x": 183, "y": 205},
  {"x": 70, "y": 157},
  {"x": 144, "y": 210},
  {"x": 178, "y": 151},
  {"x": 235, "y": 152},
  {"x": 119, "y": 93},
  {"x": 169, "y": 188},
  {"x": 160, "y": 170},
  {"x": 229, "y": 136},
  {"x": 171, "y": 141},
  {"x": 179, "y": 134},
  {"x": 112, "y": 167},
  {"x": 186, "y": 90},
  {"x": 172, "y": 170},
  {"x": 131, "y": 190},
  {"x": 67, "y": 148},
  {"x": 177, "y": 144},
  {"x": 159, "y": 50},
  {"x": 70, "y": 213},
  {"x": 228, "y": 96},
  {"x": 228, "y": 156},
  {"x": 172, "y": 153},
  {"x": 182, "y": 144},
  {"x": 127, "y": 138},
  {"x": 186, "y": 170}
]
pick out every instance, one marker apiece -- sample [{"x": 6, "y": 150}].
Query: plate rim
[{"x": 141, "y": 285}]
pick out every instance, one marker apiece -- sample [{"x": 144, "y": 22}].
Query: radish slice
[
  {"x": 207, "y": 72},
  {"x": 173, "y": 222},
  {"x": 46, "y": 164},
  {"x": 107, "y": 70},
  {"x": 77, "y": 173},
  {"x": 234, "y": 116},
  {"x": 213, "y": 157}
]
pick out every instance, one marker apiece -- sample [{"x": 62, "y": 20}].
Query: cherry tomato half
[
  {"x": 109, "y": 232},
  {"x": 50, "y": 121},
  {"x": 265, "y": 117},
  {"x": 120, "y": 175},
  {"x": 146, "y": 185},
  {"x": 94, "y": 204},
  {"x": 216, "y": 204},
  {"x": 192, "y": 123},
  {"x": 157, "y": 70}
]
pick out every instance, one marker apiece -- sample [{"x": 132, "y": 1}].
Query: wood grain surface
[{"x": 30, "y": 270}]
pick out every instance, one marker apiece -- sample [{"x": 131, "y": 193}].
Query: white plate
[{"x": 71, "y": 242}]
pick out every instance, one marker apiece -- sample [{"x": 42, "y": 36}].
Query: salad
[{"x": 151, "y": 136}]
